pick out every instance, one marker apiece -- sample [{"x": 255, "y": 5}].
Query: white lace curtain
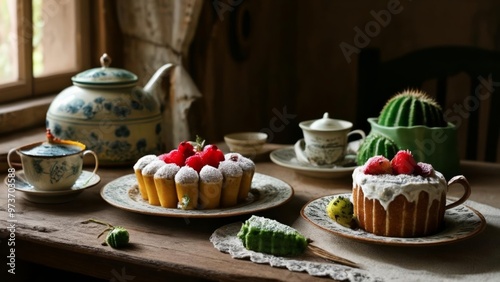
[{"x": 157, "y": 32}]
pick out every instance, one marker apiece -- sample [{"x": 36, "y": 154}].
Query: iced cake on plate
[{"x": 398, "y": 198}]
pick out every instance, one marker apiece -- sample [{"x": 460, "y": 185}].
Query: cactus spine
[{"x": 410, "y": 108}]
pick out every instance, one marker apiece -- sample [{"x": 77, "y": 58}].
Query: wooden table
[{"x": 169, "y": 249}]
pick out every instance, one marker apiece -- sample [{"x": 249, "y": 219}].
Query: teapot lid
[
  {"x": 105, "y": 76},
  {"x": 325, "y": 123}
]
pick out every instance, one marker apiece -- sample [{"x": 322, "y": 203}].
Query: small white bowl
[{"x": 246, "y": 143}]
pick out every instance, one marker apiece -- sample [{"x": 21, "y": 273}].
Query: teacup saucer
[
  {"x": 46, "y": 197},
  {"x": 286, "y": 157}
]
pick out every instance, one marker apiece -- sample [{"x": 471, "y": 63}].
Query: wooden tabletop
[{"x": 164, "y": 248}]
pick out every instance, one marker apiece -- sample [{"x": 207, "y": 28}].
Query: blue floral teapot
[{"x": 105, "y": 110}]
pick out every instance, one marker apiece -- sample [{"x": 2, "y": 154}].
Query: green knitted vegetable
[
  {"x": 410, "y": 108},
  {"x": 269, "y": 236},
  {"x": 117, "y": 236},
  {"x": 375, "y": 145}
]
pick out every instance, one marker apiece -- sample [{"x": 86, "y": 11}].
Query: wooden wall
[
  {"x": 258, "y": 59},
  {"x": 244, "y": 62}
]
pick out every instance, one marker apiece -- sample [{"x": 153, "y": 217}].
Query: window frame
[
  {"x": 21, "y": 87},
  {"x": 27, "y": 86}
]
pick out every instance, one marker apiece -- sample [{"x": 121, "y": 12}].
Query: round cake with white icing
[{"x": 398, "y": 202}]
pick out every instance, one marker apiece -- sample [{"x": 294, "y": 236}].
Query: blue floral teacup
[{"x": 52, "y": 167}]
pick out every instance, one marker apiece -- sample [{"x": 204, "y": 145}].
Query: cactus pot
[{"x": 435, "y": 145}]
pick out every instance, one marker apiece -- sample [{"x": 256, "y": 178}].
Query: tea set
[
  {"x": 325, "y": 141},
  {"x": 115, "y": 120},
  {"x": 53, "y": 172},
  {"x": 324, "y": 152}
]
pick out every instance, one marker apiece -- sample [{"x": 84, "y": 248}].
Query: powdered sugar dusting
[
  {"x": 245, "y": 163},
  {"x": 230, "y": 168},
  {"x": 210, "y": 174},
  {"x": 144, "y": 161},
  {"x": 167, "y": 171},
  {"x": 152, "y": 167},
  {"x": 186, "y": 174}
]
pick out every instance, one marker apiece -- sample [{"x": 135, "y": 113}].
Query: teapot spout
[{"x": 156, "y": 77}]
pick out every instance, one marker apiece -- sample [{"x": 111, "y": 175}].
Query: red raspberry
[
  {"x": 173, "y": 156},
  {"x": 212, "y": 155},
  {"x": 423, "y": 169},
  {"x": 378, "y": 165},
  {"x": 403, "y": 162},
  {"x": 186, "y": 149},
  {"x": 196, "y": 162}
]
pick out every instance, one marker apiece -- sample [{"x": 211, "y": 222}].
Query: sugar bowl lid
[
  {"x": 325, "y": 123},
  {"x": 105, "y": 76}
]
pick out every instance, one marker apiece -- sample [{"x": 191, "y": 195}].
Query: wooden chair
[{"x": 378, "y": 81}]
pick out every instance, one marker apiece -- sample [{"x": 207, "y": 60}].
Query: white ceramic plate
[
  {"x": 461, "y": 222},
  {"x": 51, "y": 197},
  {"x": 286, "y": 157},
  {"x": 266, "y": 192}
]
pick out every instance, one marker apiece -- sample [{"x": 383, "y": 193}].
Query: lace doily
[{"x": 224, "y": 239}]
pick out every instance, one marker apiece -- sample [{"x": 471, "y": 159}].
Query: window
[{"x": 42, "y": 44}]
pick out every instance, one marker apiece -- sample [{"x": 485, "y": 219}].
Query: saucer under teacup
[
  {"x": 85, "y": 181},
  {"x": 286, "y": 157}
]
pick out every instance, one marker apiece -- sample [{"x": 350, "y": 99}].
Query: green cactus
[
  {"x": 375, "y": 145},
  {"x": 410, "y": 108}
]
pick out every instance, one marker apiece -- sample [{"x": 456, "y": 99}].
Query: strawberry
[
  {"x": 403, "y": 162},
  {"x": 173, "y": 156},
  {"x": 378, "y": 165},
  {"x": 186, "y": 149},
  {"x": 423, "y": 169},
  {"x": 212, "y": 155},
  {"x": 196, "y": 162}
]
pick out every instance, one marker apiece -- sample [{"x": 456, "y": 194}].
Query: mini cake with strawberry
[
  {"x": 398, "y": 197},
  {"x": 194, "y": 176}
]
